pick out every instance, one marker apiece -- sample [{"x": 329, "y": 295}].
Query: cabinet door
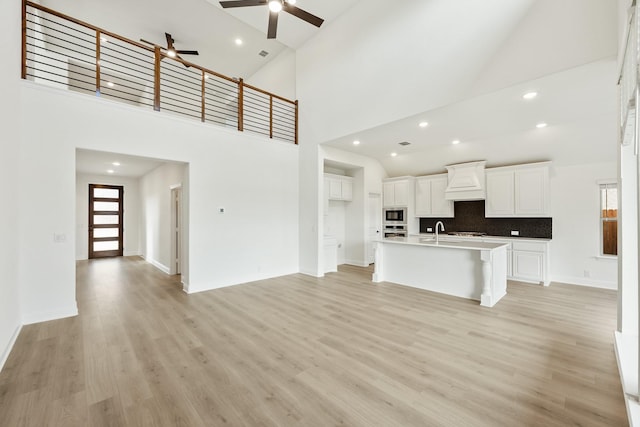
[
  {"x": 347, "y": 190},
  {"x": 528, "y": 265},
  {"x": 440, "y": 206},
  {"x": 388, "y": 194},
  {"x": 335, "y": 189},
  {"x": 500, "y": 194},
  {"x": 401, "y": 190},
  {"x": 531, "y": 188},
  {"x": 423, "y": 197}
]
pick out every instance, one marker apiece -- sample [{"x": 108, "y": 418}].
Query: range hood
[{"x": 466, "y": 181}]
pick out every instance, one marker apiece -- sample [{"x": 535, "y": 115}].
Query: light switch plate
[{"x": 515, "y": 233}]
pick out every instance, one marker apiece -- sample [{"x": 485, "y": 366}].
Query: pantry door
[{"x": 106, "y": 213}]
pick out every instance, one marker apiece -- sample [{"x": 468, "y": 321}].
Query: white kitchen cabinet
[
  {"x": 396, "y": 193},
  {"x": 338, "y": 187},
  {"x": 518, "y": 191},
  {"x": 430, "y": 197}
]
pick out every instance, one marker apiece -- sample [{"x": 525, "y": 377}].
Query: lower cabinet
[{"x": 528, "y": 265}]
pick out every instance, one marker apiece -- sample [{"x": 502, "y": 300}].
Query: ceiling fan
[
  {"x": 172, "y": 52},
  {"x": 275, "y": 6}
]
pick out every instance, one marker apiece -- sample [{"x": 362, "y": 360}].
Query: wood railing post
[
  {"x": 296, "y": 122},
  {"x": 202, "y": 106},
  {"x": 241, "y": 105},
  {"x": 270, "y": 116},
  {"x": 156, "y": 79},
  {"x": 98, "y": 84},
  {"x": 23, "y": 72}
]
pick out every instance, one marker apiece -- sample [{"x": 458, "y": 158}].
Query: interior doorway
[
  {"x": 106, "y": 211},
  {"x": 176, "y": 230},
  {"x": 375, "y": 224}
]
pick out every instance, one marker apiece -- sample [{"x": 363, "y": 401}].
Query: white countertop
[
  {"x": 513, "y": 238},
  {"x": 429, "y": 240}
]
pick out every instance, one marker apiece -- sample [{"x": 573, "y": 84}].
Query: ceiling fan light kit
[
  {"x": 172, "y": 52},
  {"x": 275, "y": 7}
]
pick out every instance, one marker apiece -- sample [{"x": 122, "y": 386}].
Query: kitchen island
[{"x": 473, "y": 270}]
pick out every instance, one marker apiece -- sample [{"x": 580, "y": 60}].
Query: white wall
[
  {"x": 155, "y": 201},
  {"x": 10, "y": 315},
  {"x": 278, "y": 76},
  {"x": 575, "y": 207},
  {"x": 254, "y": 178},
  {"x": 131, "y": 212}
]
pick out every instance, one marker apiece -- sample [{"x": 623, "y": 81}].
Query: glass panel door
[{"x": 105, "y": 220}]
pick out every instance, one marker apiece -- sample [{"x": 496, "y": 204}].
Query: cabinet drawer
[{"x": 529, "y": 246}]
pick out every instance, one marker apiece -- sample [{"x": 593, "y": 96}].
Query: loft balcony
[{"x": 64, "y": 52}]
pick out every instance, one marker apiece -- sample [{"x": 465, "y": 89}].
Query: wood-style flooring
[{"x": 301, "y": 351}]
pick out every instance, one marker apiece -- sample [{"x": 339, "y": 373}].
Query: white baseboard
[
  {"x": 7, "y": 350},
  {"x": 45, "y": 316},
  {"x": 356, "y": 262},
  {"x": 157, "y": 265},
  {"x": 131, "y": 253},
  {"x": 312, "y": 273},
  {"x": 626, "y": 347},
  {"x": 585, "y": 281}
]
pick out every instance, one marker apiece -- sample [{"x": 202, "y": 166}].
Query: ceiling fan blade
[
  {"x": 273, "y": 25},
  {"x": 169, "y": 40},
  {"x": 242, "y": 3},
  {"x": 187, "y": 52},
  {"x": 302, "y": 14}
]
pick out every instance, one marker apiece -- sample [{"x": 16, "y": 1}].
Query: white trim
[
  {"x": 129, "y": 253},
  {"x": 358, "y": 263},
  {"x": 7, "y": 350},
  {"x": 45, "y": 316},
  {"x": 607, "y": 257},
  {"x": 584, "y": 281},
  {"x": 609, "y": 181},
  {"x": 156, "y": 264},
  {"x": 626, "y": 348}
]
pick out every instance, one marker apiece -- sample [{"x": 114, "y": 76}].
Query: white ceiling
[{"x": 99, "y": 162}]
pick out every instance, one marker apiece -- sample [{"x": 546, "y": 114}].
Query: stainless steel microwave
[{"x": 395, "y": 215}]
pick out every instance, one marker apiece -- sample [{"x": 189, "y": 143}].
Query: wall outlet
[
  {"x": 221, "y": 210},
  {"x": 515, "y": 233},
  {"x": 59, "y": 237},
  {"x": 429, "y": 229}
]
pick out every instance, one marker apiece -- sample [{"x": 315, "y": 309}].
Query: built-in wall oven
[
  {"x": 394, "y": 230},
  {"x": 395, "y": 215}
]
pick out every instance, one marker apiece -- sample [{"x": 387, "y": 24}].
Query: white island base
[{"x": 473, "y": 270}]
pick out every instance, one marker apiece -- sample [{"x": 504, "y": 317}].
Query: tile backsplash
[{"x": 469, "y": 216}]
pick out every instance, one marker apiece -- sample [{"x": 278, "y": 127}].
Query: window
[{"x": 608, "y": 219}]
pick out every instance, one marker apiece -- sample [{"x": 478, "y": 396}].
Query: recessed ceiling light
[
  {"x": 110, "y": 84},
  {"x": 394, "y": 154},
  {"x": 356, "y": 142},
  {"x": 104, "y": 39},
  {"x": 275, "y": 6},
  {"x": 116, "y": 163},
  {"x": 291, "y": 1},
  {"x": 110, "y": 171},
  {"x": 239, "y": 42},
  {"x": 206, "y": 77},
  {"x": 423, "y": 124},
  {"x": 530, "y": 95},
  {"x": 541, "y": 125},
  {"x": 455, "y": 141}
]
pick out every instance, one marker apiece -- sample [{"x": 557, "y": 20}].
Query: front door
[{"x": 106, "y": 211}]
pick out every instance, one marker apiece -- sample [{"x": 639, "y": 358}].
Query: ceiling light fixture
[
  {"x": 423, "y": 124},
  {"x": 394, "y": 154},
  {"x": 171, "y": 53},
  {"x": 275, "y": 6},
  {"x": 116, "y": 163},
  {"x": 110, "y": 171},
  {"x": 356, "y": 142},
  {"x": 104, "y": 40},
  {"x": 530, "y": 95},
  {"x": 110, "y": 84},
  {"x": 291, "y": 2},
  {"x": 541, "y": 125},
  {"x": 239, "y": 42},
  {"x": 455, "y": 142}
]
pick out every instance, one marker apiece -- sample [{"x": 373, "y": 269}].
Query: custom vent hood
[{"x": 466, "y": 181}]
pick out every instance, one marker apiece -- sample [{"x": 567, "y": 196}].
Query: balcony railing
[{"x": 67, "y": 53}]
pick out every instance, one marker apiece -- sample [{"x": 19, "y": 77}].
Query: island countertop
[{"x": 430, "y": 241}]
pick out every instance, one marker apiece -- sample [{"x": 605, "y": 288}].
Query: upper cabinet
[
  {"x": 430, "y": 197},
  {"x": 518, "y": 191},
  {"x": 338, "y": 187},
  {"x": 396, "y": 193}
]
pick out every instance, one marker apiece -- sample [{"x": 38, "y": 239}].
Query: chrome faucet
[{"x": 441, "y": 225}]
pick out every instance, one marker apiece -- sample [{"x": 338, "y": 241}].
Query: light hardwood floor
[{"x": 300, "y": 351}]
